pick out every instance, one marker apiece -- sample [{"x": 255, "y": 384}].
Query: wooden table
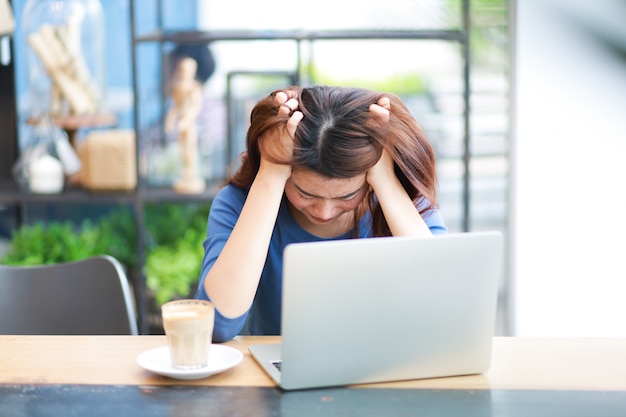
[{"x": 98, "y": 375}]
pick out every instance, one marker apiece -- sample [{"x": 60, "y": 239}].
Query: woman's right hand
[{"x": 277, "y": 145}]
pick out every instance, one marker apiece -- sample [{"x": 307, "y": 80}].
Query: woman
[{"x": 321, "y": 163}]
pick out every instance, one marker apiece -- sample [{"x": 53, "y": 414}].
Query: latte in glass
[{"x": 188, "y": 325}]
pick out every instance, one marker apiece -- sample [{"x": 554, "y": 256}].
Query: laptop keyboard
[{"x": 277, "y": 364}]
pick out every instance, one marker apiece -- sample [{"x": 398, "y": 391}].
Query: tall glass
[{"x": 188, "y": 325}]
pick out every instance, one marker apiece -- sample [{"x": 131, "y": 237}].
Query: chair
[{"x": 86, "y": 297}]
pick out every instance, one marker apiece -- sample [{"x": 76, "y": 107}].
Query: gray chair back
[{"x": 86, "y": 297}]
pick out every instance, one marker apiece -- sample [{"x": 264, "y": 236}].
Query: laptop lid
[{"x": 386, "y": 309}]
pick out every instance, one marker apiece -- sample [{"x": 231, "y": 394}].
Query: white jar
[
  {"x": 46, "y": 160},
  {"x": 45, "y": 175}
]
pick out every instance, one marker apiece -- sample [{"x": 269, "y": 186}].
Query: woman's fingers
[
  {"x": 280, "y": 97},
  {"x": 288, "y": 105},
  {"x": 381, "y": 108},
  {"x": 384, "y": 102},
  {"x": 292, "y": 123},
  {"x": 286, "y": 101},
  {"x": 283, "y": 136}
]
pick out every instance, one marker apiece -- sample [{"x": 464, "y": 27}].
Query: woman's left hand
[
  {"x": 402, "y": 216},
  {"x": 383, "y": 170}
]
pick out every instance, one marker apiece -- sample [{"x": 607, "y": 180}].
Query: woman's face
[{"x": 324, "y": 206}]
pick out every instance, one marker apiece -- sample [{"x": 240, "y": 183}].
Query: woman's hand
[
  {"x": 278, "y": 145},
  {"x": 400, "y": 212},
  {"x": 383, "y": 171}
]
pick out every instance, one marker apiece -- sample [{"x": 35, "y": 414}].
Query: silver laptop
[{"x": 385, "y": 309}]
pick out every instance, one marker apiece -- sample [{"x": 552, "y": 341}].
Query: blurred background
[{"x": 569, "y": 146}]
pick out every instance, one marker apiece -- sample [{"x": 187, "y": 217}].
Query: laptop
[{"x": 385, "y": 309}]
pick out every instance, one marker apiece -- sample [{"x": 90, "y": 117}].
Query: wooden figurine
[{"x": 182, "y": 117}]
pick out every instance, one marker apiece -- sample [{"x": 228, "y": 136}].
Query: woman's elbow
[
  {"x": 223, "y": 335},
  {"x": 225, "y": 328}
]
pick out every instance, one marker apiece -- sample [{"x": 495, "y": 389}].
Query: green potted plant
[{"x": 55, "y": 242}]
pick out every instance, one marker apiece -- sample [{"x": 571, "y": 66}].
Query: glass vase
[
  {"x": 64, "y": 56},
  {"x": 47, "y": 161}
]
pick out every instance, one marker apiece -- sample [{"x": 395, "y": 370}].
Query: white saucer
[{"x": 158, "y": 361}]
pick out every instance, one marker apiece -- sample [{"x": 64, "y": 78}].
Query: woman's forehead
[{"x": 323, "y": 186}]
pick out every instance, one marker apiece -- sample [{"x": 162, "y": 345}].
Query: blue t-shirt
[{"x": 263, "y": 318}]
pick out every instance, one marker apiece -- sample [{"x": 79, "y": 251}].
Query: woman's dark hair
[{"x": 339, "y": 137}]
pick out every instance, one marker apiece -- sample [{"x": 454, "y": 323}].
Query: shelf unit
[{"x": 144, "y": 194}]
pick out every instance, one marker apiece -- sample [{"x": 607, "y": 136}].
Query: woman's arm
[
  {"x": 233, "y": 280},
  {"x": 400, "y": 212}
]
